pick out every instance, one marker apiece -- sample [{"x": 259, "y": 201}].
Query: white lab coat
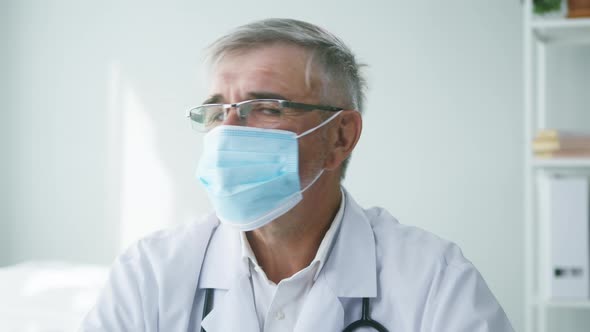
[{"x": 416, "y": 282}]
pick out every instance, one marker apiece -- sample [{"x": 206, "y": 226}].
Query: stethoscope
[{"x": 365, "y": 320}]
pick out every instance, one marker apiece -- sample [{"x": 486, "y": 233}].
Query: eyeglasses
[{"x": 260, "y": 113}]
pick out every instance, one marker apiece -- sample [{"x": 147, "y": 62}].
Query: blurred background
[{"x": 97, "y": 152}]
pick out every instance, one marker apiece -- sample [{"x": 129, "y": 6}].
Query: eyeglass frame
[{"x": 283, "y": 104}]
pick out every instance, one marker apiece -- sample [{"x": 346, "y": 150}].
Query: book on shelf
[
  {"x": 551, "y": 143},
  {"x": 562, "y": 145},
  {"x": 557, "y": 134}
]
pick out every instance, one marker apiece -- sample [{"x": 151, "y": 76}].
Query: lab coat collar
[
  {"x": 351, "y": 268},
  {"x": 322, "y": 310},
  {"x": 224, "y": 268},
  {"x": 235, "y": 311},
  {"x": 350, "y": 271},
  {"x": 223, "y": 263}
]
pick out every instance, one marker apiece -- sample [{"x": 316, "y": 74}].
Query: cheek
[{"x": 312, "y": 155}]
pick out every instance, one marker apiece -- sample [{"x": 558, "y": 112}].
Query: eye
[
  {"x": 265, "y": 109},
  {"x": 269, "y": 111},
  {"x": 214, "y": 116},
  {"x": 196, "y": 117}
]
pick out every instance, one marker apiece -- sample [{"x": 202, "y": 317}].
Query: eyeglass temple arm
[{"x": 309, "y": 107}]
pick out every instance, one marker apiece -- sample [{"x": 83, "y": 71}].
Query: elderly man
[{"x": 288, "y": 249}]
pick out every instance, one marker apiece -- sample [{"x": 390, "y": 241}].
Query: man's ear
[{"x": 343, "y": 138}]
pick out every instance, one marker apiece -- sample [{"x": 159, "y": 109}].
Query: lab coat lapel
[
  {"x": 223, "y": 268},
  {"x": 349, "y": 272},
  {"x": 322, "y": 310},
  {"x": 236, "y": 311},
  {"x": 351, "y": 268},
  {"x": 178, "y": 283}
]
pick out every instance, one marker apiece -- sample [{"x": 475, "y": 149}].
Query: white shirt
[{"x": 278, "y": 306}]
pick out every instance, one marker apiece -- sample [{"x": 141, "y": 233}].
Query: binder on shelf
[{"x": 567, "y": 206}]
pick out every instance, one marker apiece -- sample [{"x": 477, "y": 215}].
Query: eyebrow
[
  {"x": 214, "y": 99},
  {"x": 218, "y": 98},
  {"x": 266, "y": 95}
]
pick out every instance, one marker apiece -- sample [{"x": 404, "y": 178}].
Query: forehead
[{"x": 280, "y": 69}]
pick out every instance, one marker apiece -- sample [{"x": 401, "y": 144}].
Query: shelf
[
  {"x": 569, "y": 304},
  {"x": 561, "y": 23},
  {"x": 541, "y": 33},
  {"x": 569, "y": 163},
  {"x": 562, "y": 30}
]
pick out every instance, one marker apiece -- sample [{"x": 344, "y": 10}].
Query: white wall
[
  {"x": 59, "y": 123},
  {"x": 103, "y": 153},
  {"x": 6, "y": 135}
]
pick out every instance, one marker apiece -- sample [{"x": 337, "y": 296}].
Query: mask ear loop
[
  {"x": 319, "y": 126},
  {"x": 310, "y": 131},
  {"x": 317, "y": 177}
]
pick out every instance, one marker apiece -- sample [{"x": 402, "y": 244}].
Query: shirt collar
[{"x": 321, "y": 256}]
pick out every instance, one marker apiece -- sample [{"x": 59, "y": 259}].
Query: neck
[{"x": 289, "y": 244}]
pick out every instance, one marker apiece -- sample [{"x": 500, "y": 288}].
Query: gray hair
[{"x": 342, "y": 78}]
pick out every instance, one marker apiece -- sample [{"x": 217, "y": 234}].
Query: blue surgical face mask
[{"x": 252, "y": 174}]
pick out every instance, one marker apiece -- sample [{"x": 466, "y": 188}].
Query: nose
[{"x": 232, "y": 118}]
